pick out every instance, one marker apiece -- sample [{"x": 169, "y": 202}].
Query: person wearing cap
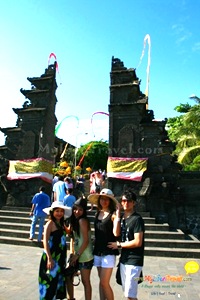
[
  {"x": 82, "y": 245},
  {"x": 104, "y": 257},
  {"x": 53, "y": 260},
  {"x": 131, "y": 229}
]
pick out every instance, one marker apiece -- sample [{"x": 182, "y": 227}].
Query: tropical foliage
[
  {"x": 93, "y": 154},
  {"x": 89, "y": 157},
  {"x": 184, "y": 131}
]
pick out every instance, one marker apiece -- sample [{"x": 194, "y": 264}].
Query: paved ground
[{"x": 19, "y": 271}]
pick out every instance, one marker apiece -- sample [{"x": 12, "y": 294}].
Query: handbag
[
  {"x": 141, "y": 278},
  {"x": 72, "y": 271},
  {"x": 118, "y": 275}
]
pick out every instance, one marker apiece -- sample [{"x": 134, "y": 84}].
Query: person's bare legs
[
  {"x": 85, "y": 278},
  {"x": 105, "y": 290},
  {"x": 70, "y": 288}
]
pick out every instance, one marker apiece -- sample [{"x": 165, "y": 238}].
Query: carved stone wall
[
  {"x": 33, "y": 137},
  {"x": 165, "y": 191}
]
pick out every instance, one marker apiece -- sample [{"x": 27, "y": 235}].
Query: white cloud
[{"x": 196, "y": 47}]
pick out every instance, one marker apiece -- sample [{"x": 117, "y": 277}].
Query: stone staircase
[{"x": 159, "y": 239}]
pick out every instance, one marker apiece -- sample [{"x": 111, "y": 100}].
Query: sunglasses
[{"x": 125, "y": 200}]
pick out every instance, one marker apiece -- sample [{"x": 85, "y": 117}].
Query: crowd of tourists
[{"x": 118, "y": 233}]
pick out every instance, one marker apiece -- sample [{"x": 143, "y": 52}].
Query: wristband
[
  {"x": 119, "y": 246},
  {"x": 118, "y": 219}
]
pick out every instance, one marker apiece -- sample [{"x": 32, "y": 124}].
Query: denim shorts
[
  {"x": 106, "y": 261},
  {"x": 86, "y": 265}
]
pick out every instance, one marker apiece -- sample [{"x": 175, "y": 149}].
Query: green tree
[
  {"x": 94, "y": 155},
  {"x": 184, "y": 131}
]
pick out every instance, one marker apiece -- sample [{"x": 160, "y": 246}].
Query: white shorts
[
  {"x": 130, "y": 275},
  {"x": 107, "y": 261}
]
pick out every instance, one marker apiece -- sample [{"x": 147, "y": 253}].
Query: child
[
  {"x": 53, "y": 260},
  {"x": 80, "y": 227}
]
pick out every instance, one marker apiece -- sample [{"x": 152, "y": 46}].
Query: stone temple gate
[
  {"x": 136, "y": 137},
  {"x": 136, "y": 142},
  {"x": 31, "y": 147}
]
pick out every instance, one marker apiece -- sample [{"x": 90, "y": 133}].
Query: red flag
[{"x": 54, "y": 56}]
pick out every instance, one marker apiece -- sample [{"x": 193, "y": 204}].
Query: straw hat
[
  {"x": 93, "y": 198},
  {"x": 57, "y": 204}
]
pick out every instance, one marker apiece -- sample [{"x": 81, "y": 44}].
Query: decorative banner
[
  {"x": 126, "y": 168},
  {"x": 147, "y": 38},
  {"x": 95, "y": 113},
  {"x": 60, "y": 124},
  {"x": 84, "y": 154},
  {"x": 54, "y": 56},
  {"x": 30, "y": 168}
]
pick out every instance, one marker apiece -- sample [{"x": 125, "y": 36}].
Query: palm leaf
[
  {"x": 188, "y": 154},
  {"x": 186, "y": 141}
]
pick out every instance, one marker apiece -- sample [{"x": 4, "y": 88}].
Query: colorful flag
[
  {"x": 84, "y": 154},
  {"x": 30, "y": 168},
  {"x": 148, "y": 39},
  {"x": 126, "y": 168}
]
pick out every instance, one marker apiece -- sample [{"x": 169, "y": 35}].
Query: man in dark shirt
[{"x": 130, "y": 227}]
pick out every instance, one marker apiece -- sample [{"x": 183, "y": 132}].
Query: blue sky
[{"x": 84, "y": 35}]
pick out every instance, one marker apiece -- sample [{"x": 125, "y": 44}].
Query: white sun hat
[{"x": 59, "y": 204}]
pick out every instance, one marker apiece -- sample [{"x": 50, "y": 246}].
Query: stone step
[
  {"x": 15, "y": 219},
  {"x": 149, "y": 251},
  {"x": 25, "y": 214},
  {"x": 172, "y": 252},
  {"x": 24, "y": 234},
  {"x": 179, "y": 235},
  {"x": 13, "y": 213},
  {"x": 159, "y": 240},
  {"x": 7, "y": 209},
  {"x": 10, "y": 226},
  {"x": 15, "y": 226},
  {"x": 20, "y": 241},
  {"x": 168, "y": 243},
  {"x": 15, "y": 208},
  {"x": 21, "y": 216},
  {"x": 23, "y": 223},
  {"x": 23, "y": 211},
  {"x": 157, "y": 227},
  {"x": 25, "y": 227},
  {"x": 17, "y": 233}
]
